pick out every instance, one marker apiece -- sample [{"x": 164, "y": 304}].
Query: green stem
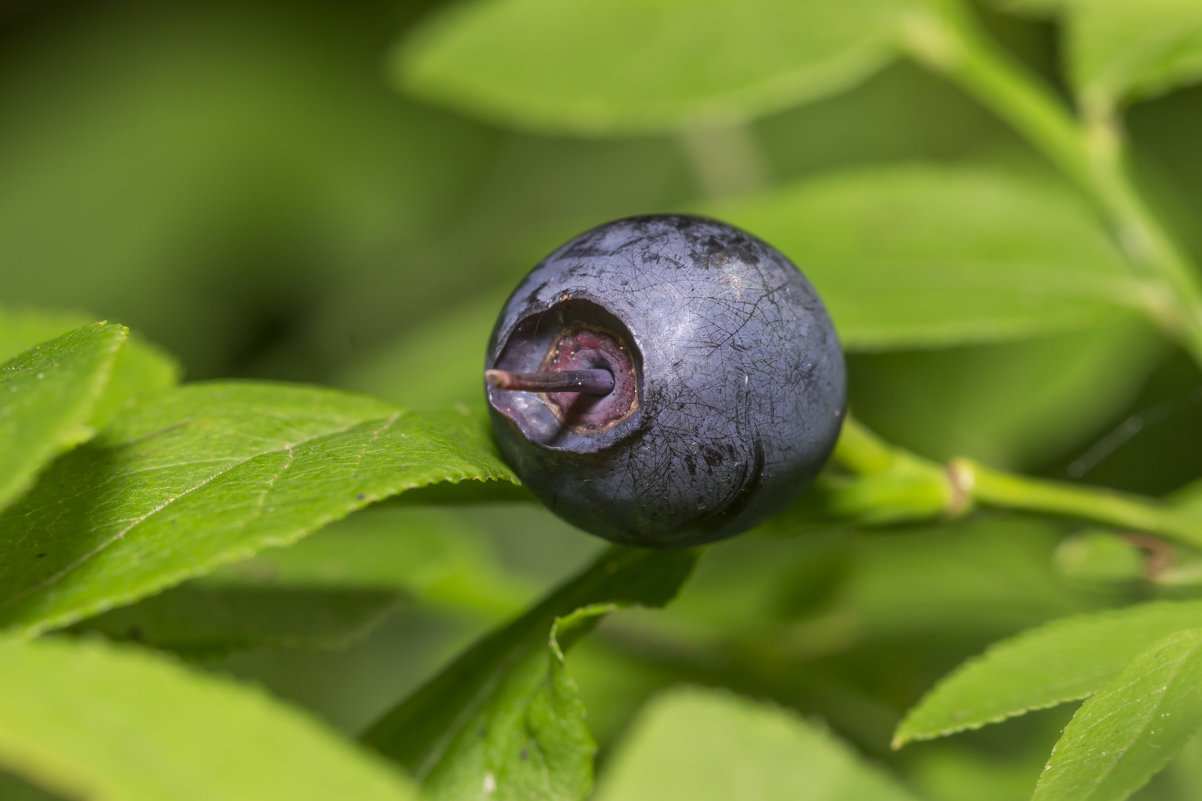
[
  {"x": 1092, "y": 154},
  {"x": 991, "y": 487},
  {"x": 908, "y": 488},
  {"x": 864, "y": 453}
]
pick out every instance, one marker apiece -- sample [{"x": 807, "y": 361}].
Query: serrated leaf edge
[
  {"x": 902, "y": 737},
  {"x": 171, "y": 579}
]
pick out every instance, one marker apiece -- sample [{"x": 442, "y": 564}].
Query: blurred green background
[{"x": 243, "y": 184}]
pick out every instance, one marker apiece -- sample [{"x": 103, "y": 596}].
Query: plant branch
[
  {"x": 920, "y": 488},
  {"x": 991, "y": 487},
  {"x": 1092, "y": 153}
]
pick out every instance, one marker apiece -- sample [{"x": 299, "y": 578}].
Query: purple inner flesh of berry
[
  {"x": 568, "y": 377},
  {"x": 585, "y": 348}
]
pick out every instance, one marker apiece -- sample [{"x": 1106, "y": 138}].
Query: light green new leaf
[
  {"x": 703, "y": 744},
  {"x": 205, "y": 620},
  {"x": 1061, "y": 661},
  {"x": 642, "y": 65},
  {"x": 88, "y": 719},
  {"x": 505, "y": 720},
  {"x": 928, "y": 256},
  {"x": 209, "y": 474},
  {"x": 47, "y": 397},
  {"x": 1131, "y": 728}
]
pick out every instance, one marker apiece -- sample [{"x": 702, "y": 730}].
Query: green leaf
[
  {"x": 1099, "y": 555},
  {"x": 209, "y": 474},
  {"x": 47, "y": 396},
  {"x": 1017, "y": 404},
  {"x": 1120, "y": 51},
  {"x": 505, "y": 719},
  {"x": 1061, "y": 661},
  {"x": 953, "y": 587},
  {"x": 21, "y": 330},
  {"x": 703, "y": 744},
  {"x": 643, "y": 65},
  {"x": 925, "y": 256},
  {"x": 140, "y": 372},
  {"x": 87, "y": 719},
  {"x": 427, "y": 554},
  {"x": 140, "y": 369},
  {"x": 1124, "y": 51},
  {"x": 1131, "y": 728},
  {"x": 203, "y": 620}
]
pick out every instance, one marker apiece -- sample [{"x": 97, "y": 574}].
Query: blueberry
[{"x": 665, "y": 380}]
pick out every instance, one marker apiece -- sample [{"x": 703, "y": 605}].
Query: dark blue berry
[{"x": 665, "y": 380}]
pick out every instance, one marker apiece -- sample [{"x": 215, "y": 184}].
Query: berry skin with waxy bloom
[{"x": 665, "y": 380}]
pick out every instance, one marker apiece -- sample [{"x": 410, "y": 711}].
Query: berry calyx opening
[
  {"x": 594, "y": 381},
  {"x": 567, "y": 371}
]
